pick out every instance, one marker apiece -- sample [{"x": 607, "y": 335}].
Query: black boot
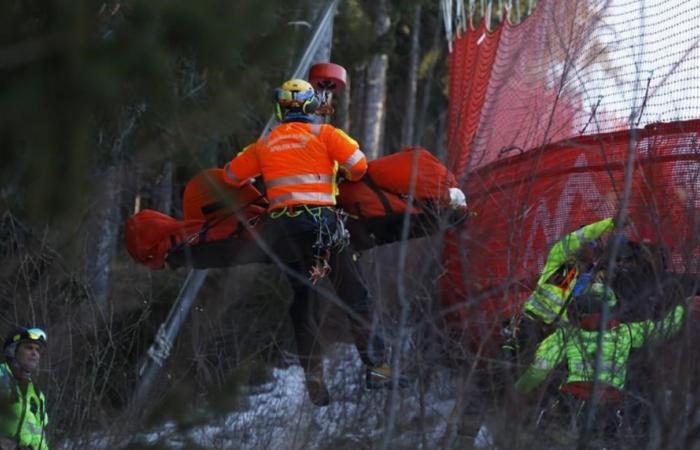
[{"x": 316, "y": 387}]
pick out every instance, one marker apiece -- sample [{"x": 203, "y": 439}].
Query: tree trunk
[
  {"x": 412, "y": 89},
  {"x": 357, "y": 105},
  {"x": 108, "y": 218},
  {"x": 323, "y": 54},
  {"x": 342, "y": 113},
  {"x": 441, "y": 137},
  {"x": 426, "y": 92},
  {"x": 164, "y": 189},
  {"x": 375, "y": 99}
]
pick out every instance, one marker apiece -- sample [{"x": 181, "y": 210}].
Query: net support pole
[
  {"x": 324, "y": 26},
  {"x": 159, "y": 351},
  {"x": 167, "y": 333}
]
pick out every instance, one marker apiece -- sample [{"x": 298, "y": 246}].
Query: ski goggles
[{"x": 31, "y": 335}]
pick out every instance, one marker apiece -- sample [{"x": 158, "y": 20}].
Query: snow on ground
[{"x": 279, "y": 415}]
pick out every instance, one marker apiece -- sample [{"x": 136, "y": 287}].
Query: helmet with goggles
[
  {"x": 295, "y": 99},
  {"x": 21, "y": 335}
]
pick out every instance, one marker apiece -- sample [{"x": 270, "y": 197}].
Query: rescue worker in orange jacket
[{"x": 299, "y": 161}]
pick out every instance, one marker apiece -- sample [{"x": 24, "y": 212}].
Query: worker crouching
[
  {"x": 569, "y": 266},
  {"x": 595, "y": 347}
]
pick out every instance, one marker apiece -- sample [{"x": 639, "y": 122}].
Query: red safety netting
[
  {"x": 470, "y": 69},
  {"x": 525, "y": 203},
  {"x": 538, "y": 133},
  {"x": 571, "y": 68}
]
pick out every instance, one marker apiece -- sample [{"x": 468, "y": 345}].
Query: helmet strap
[{"x": 278, "y": 112}]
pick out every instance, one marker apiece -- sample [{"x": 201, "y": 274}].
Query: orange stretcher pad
[{"x": 218, "y": 222}]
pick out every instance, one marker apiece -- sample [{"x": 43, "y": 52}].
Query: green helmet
[{"x": 22, "y": 334}]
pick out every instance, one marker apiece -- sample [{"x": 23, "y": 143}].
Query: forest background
[{"x": 111, "y": 107}]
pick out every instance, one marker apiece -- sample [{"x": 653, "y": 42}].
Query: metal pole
[
  {"x": 159, "y": 351},
  {"x": 324, "y": 24},
  {"x": 167, "y": 333}
]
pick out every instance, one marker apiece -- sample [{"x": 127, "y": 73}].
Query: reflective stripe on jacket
[
  {"x": 579, "y": 348},
  {"x": 298, "y": 162},
  {"x": 548, "y": 300},
  {"x": 23, "y": 415}
]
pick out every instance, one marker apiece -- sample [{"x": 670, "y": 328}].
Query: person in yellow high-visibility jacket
[
  {"x": 546, "y": 306},
  {"x": 561, "y": 270},
  {"x": 23, "y": 412},
  {"x": 596, "y": 346}
]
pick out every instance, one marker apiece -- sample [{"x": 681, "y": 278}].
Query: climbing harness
[
  {"x": 160, "y": 350},
  {"x": 327, "y": 239}
]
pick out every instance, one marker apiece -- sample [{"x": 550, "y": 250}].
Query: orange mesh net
[
  {"x": 571, "y": 68},
  {"x": 543, "y": 119}
]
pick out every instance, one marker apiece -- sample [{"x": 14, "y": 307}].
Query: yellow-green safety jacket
[
  {"x": 559, "y": 274},
  {"x": 579, "y": 347},
  {"x": 23, "y": 415}
]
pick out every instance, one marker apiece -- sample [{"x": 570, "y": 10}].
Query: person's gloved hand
[
  {"x": 457, "y": 198},
  {"x": 510, "y": 332}
]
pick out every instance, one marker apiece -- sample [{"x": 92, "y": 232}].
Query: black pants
[{"x": 292, "y": 239}]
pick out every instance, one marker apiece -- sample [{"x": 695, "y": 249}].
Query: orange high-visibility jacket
[{"x": 298, "y": 162}]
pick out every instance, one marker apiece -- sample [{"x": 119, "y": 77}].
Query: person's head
[
  {"x": 23, "y": 348},
  {"x": 296, "y": 100},
  {"x": 645, "y": 258},
  {"x": 626, "y": 254},
  {"x": 627, "y": 257},
  {"x": 588, "y": 253},
  {"x": 589, "y": 305}
]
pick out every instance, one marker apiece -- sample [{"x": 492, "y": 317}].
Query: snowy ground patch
[{"x": 280, "y": 416}]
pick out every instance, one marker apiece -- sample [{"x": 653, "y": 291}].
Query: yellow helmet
[{"x": 295, "y": 95}]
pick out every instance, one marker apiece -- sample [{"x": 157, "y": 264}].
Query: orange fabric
[
  {"x": 359, "y": 200},
  {"x": 391, "y": 177},
  {"x": 208, "y": 196},
  {"x": 566, "y": 282},
  {"x": 395, "y": 173},
  {"x": 298, "y": 163},
  {"x": 150, "y": 235}
]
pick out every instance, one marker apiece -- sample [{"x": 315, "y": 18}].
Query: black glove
[{"x": 512, "y": 336}]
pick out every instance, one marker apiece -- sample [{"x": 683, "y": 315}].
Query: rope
[
  {"x": 198, "y": 236},
  {"x": 327, "y": 240},
  {"x": 161, "y": 347}
]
